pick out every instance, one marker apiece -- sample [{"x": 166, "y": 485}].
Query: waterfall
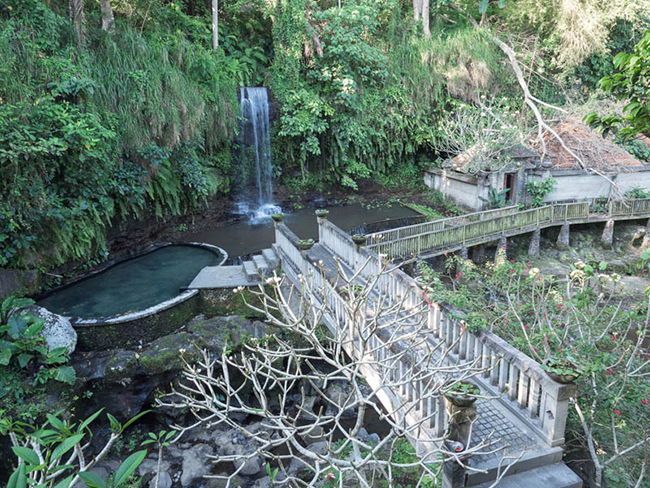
[{"x": 255, "y": 153}]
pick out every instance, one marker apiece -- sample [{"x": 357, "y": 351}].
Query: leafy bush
[
  {"x": 22, "y": 348},
  {"x": 136, "y": 125},
  {"x": 537, "y": 190}
]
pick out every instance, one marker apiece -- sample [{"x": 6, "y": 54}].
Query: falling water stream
[{"x": 255, "y": 154}]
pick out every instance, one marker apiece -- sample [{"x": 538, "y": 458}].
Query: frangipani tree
[{"x": 309, "y": 382}]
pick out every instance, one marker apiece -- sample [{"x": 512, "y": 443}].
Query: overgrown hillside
[{"x": 140, "y": 121}]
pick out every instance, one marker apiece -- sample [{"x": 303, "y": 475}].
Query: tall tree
[
  {"x": 108, "y": 20},
  {"x": 215, "y": 24},
  {"x": 417, "y": 9},
  {"x": 425, "y": 19},
  {"x": 78, "y": 19}
]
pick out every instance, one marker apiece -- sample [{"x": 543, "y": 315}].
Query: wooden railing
[
  {"x": 525, "y": 389},
  {"x": 434, "y": 225},
  {"x": 482, "y": 229},
  {"x": 440, "y": 234},
  {"x": 629, "y": 207}
]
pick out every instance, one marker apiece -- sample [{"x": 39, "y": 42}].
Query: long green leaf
[
  {"x": 26, "y": 454},
  {"x": 90, "y": 419},
  {"x": 129, "y": 422},
  {"x": 55, "y": 421},
  {"x": 65, "y": 446},
  {"x": 128, "y": 467},
  {"x": 65, "y": 483},
  {"x": 482, "y": 6},
  {"x": 19, "y": 478},
  {"x": 92, "y": 480}
]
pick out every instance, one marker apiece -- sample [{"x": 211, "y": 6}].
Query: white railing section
[
  {"x": 525, "y": 389},
  {"x": 365, "y": 343}
]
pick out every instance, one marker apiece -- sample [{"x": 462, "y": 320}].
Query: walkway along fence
[
  {"x": 427, "y": 238},
  {"x": 526, "y": 390}
]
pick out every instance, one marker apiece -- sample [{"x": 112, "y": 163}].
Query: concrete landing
[
  {"x": 221, "y": 277},
  {"x": 246, "y": 274},
  {"x": 552, "y": 476}
]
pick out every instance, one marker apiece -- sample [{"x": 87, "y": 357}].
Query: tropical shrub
[
  {"x": 22, "y": 349},
  {"x": 537, "y": 190},
  {"x": 54, "y": 454},
  {"x": 586, "y": 319}
]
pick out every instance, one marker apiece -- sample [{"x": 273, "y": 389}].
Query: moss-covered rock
[{"x": 124, "y": 380}]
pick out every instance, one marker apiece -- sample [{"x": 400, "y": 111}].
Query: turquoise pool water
[{"x": 132, "y": 285}]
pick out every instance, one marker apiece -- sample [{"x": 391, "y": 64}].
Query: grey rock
[
  {"x": 164, "y": 482},
  {"x": 364, "y": 436},
  {"x": 57, "y": 330},
  {"x": 250, "y": 467},
  {"x": 150, "y": 466},
  {"x": 195, "y": 464}
]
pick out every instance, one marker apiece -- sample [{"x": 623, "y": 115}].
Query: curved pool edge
[
  {"x": 141, "y": 326},
  {"x": 131, "y": 316}
]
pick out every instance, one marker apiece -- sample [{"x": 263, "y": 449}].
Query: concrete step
[
  {"x": 250, "y": 271},
  {"x": 271, "y": 258},
  {"x": 261, "y": 265},
  {"x": 556, "y": 475},
  {"x": 213, "y": 277},
  {"x": 533, "y": 458}
]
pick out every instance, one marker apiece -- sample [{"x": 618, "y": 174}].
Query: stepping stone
[{"x": 250, "y": 271}]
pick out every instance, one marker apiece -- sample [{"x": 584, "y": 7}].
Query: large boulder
[{"x": 57, "y": 331}]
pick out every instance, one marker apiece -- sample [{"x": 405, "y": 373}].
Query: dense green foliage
[
  {"x": 630, "y": 83},
  {"x": 140, "y": 122}
]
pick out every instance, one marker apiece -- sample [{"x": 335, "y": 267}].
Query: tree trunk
[
  {"x": 108, "y": 21},
  {"x": 425, "y": 19},
  {"x": 78, "y": 20},
  {"x": 417, "y": 9},
  {"x": 215, "y": 24}
]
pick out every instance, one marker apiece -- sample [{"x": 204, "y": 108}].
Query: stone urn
[
  {"x": 561, "y": 370},
  {"x": 305, "y": 244},
  {"x": 462, "y": 394},
  {"x": 359, "y": 240},
  {"x": 322, "y": 213}
]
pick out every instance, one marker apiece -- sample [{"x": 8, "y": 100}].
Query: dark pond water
[
  {"x": 243, "y": 238},
  {"x": 133, "y": 285}
]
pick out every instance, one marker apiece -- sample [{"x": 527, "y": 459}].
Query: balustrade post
[
  {"x": 533, "y": 247},
  {"x": 554, "y": 410}
]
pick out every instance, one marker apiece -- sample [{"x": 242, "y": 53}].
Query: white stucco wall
[
  {"x": 459, "y": 188},
  {"x": 575, "y": 184}
]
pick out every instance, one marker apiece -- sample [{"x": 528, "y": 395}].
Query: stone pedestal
[
  {"x": 607, "y": 239},
  {"x": 502, "y": 248},
  {"x": 478, "y": 254},
  {"x": 464, "y": 253},
  {"x": 563, "y": 238},
  {"x": 646, "y": 238},
  {"x": 533, "y": 247},
  {"x": 460, "y": 421}
]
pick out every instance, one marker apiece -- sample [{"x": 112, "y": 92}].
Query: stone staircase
[{"x": 250, "y": 272}]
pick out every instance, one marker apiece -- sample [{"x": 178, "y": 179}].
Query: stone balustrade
[{"x": 523, "y": 387}]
